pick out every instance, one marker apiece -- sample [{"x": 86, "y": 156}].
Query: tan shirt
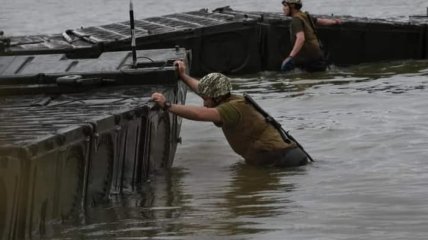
[{"x": 247, "y": 131}]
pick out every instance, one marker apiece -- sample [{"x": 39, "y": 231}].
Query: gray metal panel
[
  {"x": 59, "y": 152},
  {"x": 356, "y": 42},
  {"x": 192, "y": 29},
  {"x": 31, "y": 65},
  {"x": 59, "y": 63},
  {"x": 7, "y": 64},
  {"x": 91, "y": 38},
  {"x": 106, "y": 63},
  {"x": 24, "y": 118}
]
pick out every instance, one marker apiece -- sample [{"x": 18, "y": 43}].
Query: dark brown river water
[{"x": 366, "y": 126}]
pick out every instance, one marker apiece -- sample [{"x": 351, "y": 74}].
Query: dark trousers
[
  {"x": 319, "y": 65},
  {"x": 292, "y": 158},
  {"x": 283, "y": 158}
]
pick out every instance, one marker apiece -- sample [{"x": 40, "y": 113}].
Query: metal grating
[{"x": 23, "y": 123}]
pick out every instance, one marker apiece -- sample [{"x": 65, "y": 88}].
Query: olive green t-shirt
[
  {"x": 247, "y": 131},
  {"x": 310, "y": 50}
]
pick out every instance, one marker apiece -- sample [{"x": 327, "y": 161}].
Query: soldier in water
[
  {"x": 246, "y": 129},
  {"x": 306, "y": 52}
]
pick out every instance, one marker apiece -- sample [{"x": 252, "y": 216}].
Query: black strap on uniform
[
  {"x": 325, "y": 52},
  {"x": 313, "y": 28},
  {"x": 318, "y": 38},
  {"x": 284, "y": 134}
]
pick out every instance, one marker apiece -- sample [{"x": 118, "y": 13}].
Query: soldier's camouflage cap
[{"x": 214, "y": 85}]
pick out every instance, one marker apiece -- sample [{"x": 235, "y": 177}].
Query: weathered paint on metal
[{"x": 64, "y": 150}]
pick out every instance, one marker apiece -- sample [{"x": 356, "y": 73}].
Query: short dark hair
[
  {"x": 220, "y": 99},
  {"x": 297, "y": 6}
]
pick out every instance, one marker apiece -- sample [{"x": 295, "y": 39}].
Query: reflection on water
[
  {"x": 256, "y": 194},
  {"x": 154, "y": 211},
  {"x": 163, "y": 211}
]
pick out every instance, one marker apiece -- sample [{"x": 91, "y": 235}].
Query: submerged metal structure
[
  {"x": 232, "y": 41},
  {"x": 74, "y": 131}
]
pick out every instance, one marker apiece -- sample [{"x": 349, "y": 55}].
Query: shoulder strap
[
  {"x": 313, "y": 27},
  {"x": 284, "y": 134}
]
